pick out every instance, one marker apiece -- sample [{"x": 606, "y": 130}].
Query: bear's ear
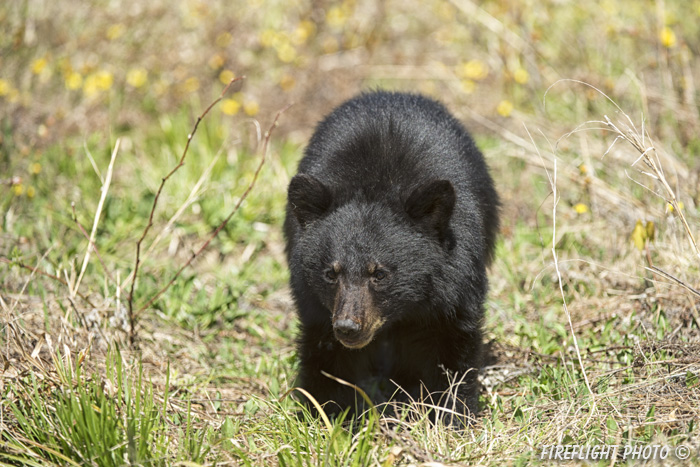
[
  {"x": 431, "y": 204},
  {"x": 309, "y": 199}
]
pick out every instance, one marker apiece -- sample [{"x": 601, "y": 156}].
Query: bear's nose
[{"x": 346, "y": 327}]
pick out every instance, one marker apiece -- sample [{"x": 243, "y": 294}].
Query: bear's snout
[
  {"x": 346, "y": 328},
  {"x": 355, "y": 318}
]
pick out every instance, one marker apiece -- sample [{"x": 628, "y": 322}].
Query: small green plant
[{"x": 90, "y": 420}]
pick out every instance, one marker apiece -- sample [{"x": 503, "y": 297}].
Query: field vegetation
[{"x": 146, "y": 321}]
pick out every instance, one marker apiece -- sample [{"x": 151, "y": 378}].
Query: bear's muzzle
[{"x": 355, "y": 318}]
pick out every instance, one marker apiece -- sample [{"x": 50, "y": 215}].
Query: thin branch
[
  {"x": 221, "y": 226},
  {"x": 130, "y": 300},
  {"x": 45, "y": 274},
  {"x": 673, "y": 278},
  {"x": 193, "y": 196}
]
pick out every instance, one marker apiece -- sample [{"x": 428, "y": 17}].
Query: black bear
[{"x": 391, "y": 222}]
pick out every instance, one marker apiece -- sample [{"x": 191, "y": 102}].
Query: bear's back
[{"x": 380, "y": 145}]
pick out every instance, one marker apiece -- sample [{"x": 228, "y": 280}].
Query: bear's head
[{"x": 371, "y": 262}]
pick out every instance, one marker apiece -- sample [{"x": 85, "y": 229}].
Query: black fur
[{"x": 391, "y": 223}]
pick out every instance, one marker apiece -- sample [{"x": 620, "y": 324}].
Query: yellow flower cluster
[
  {"x": 226, "y": 76},
  {"x": 475, "y": 70},
  {"x": 96, "y": 82},
  {"x": 8, "y": 91},
  {"x": 504, "y": 108},
  {"x": 521, "y": 76},
  {"x": 39, "y": 65},
  {"x": 667, "y": 37},
  {"x": 137, "y": 77},
  {"x": 642, "y": 233},
  {"x": 232, "y": 105},
  {"x": 580, "y": 208}
]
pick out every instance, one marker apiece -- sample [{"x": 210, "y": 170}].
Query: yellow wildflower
[
  {"x": 5, "y": 87},
  {"x": 103, "y": 80},
  {"x": 191, "y": 84},
  {"x": 651, "y": 230},
  {"x": 224, "y": 39},
  {"x": 468, "y": 86},
  {"x": 115, "y": 31},
  {"x": 267, "y": 37},
  {"x": 251, "y": 108},
  {"x": 667, "y": 37},
  {"x": 504, "y": 108},
  {"x": 38, "y": 65},
  {"x": 18, "y": 189},
  {"x": 35, "y": 168},
  {"x": 303, "y": 32},
  {"x": 31, "y": 192},
  {"x": 137, "y": 77},
  {"x": 336, "y": 17},
  {"x": 226, "y": 76},
  {"x": 216, "y": 62},
  {"x": 287, "y": 82},
  {"x": 638, "y": 235},
  {"x": 670, "y": 208},
  {"x": 90, "y": 87},
  {"x": 521, "y": 76},
  {"x": 580, "y": 208},
  {"x": 642, "y": 233},
  {"x": 473, "y": 69},
  {"x": 230, "y": 106},
  {"x": 74, "y": 80},
  {"x": 286, "y": 52}
]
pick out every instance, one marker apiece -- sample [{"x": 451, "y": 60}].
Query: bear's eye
[
  {"x": 379, "y": 275},
  {"x": 331, "y": 276}
]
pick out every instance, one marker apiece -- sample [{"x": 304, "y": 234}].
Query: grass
[{"x": 207, "y": 379}]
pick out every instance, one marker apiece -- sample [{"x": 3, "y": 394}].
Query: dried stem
[
  {"x": 555, "y": 202},
  {"x": 196, "y": 253},
  {"x": 638, "y": 139},
  {"x": 673, "y": 278},
  {"x": 561, "y": 285},
  {"x": 632, "y": 136},
  {"x": 91, "y": 242},
  {"x": 130, "y": 300},
  {"x": 45, "y": 274},
  {"x": 98, "y": 212}
]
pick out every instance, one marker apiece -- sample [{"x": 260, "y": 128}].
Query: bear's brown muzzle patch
[{"x": 355, "y": 318}]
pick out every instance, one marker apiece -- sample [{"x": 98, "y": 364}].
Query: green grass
[
  {"x": 108, "y": 419},
  {"x": 208, "y": 379}
]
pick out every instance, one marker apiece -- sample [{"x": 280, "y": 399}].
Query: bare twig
[
  {"x": 130, "y": 299},
  {"x": 673, "y": 278},
  {"x": 194, "y": 194},
  {"x": 196, "y": 253},
  {"x": 45, "y": 274}
]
